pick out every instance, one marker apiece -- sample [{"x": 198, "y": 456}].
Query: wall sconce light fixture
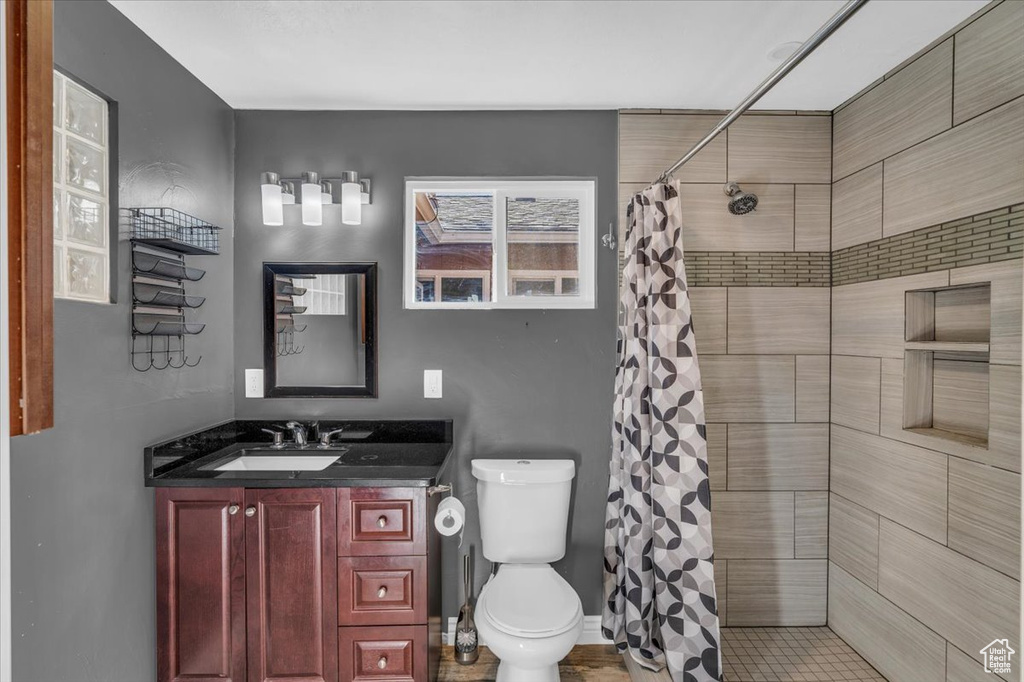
[{"x": 315, "y": 193}]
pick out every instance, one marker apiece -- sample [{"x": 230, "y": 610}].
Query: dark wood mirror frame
[{"x": 369, "y": 311}]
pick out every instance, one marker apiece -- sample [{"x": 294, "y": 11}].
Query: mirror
[{"x": 320, "y": 330}]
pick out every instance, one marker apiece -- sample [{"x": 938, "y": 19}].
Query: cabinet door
[
  {"x": 200, "y": 559},
  {"x": 291, "y": 573}
]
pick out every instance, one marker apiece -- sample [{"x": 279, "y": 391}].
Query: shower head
[{"x": 740, "y": 202}]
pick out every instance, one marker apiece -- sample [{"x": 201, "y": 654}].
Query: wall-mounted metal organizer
[
  {"x": 161, "y": 238},
  {"x": 286, "y": 309}
]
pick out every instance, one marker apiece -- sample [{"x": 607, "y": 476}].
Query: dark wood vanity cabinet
[{"x": 303, "y": 584}]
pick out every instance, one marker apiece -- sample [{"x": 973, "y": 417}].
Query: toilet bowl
[
  {"x": 530, "y": 618},
  {"x": 527, "y": 614}
]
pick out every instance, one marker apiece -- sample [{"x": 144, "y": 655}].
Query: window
[
  {"x": 479, "y": 243},
  {"x": 324, "y": 295},
  {"x": 81, "y": 193}
]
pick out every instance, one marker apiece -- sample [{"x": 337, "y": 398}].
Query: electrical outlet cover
[
  {"x": 432, "y": 381},
  {"x": 254, "y": 383}
]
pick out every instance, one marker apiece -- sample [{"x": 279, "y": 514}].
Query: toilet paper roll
[{"x": 450, "y": 517}]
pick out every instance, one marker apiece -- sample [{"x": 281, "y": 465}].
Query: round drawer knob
[
  {"x": 233, "y": 509},
  {"x": 382, "y": 522},
  {"x": 382, "y": 592},
  {"x": 250, "y": 511},
  {"x": 382, "y": 662}
]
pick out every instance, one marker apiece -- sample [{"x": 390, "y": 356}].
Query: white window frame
[
  {"x": 62, "y": 242},
  {"x": 583, "y": 190}
]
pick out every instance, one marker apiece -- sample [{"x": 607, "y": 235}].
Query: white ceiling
[{"x": 532, "y": 54}]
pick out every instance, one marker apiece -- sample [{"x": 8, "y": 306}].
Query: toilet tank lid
[{"x": 524, "y": 470}]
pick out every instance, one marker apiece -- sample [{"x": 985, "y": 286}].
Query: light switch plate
[
  {"x": 254, "y": 383},
  {"x": 432, "y": 383}
]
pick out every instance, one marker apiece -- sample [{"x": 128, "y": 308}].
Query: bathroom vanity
[{"x": 328, "y": 574}]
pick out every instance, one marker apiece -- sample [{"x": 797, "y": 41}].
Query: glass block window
[
  {"x": 81, "y": 193},
  {"x": 324, "y": 295}
]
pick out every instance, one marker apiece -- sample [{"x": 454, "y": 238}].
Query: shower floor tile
[
  {"x": 791, "y": 655},
  {"x": 748, "y": 655}
]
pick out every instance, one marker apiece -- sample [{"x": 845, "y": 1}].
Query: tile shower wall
[
  {"x": 761, "y": 307},
  {"x": 928, "y": 169}
]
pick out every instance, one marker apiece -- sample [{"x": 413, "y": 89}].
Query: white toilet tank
[{"x": 524, "y": 508}]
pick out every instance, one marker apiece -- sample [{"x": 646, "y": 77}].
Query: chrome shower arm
[{"x": 809, "y": 45}]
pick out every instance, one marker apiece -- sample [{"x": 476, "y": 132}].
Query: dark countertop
[{"x": 372, "y": 453}]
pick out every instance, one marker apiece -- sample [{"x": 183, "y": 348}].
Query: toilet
[{"x": 527, "y": 614}]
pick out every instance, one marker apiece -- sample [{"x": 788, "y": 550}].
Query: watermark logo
[{"x": 997, "y": 656}]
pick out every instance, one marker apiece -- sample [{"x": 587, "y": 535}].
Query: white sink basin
[{"x": 279, "y": 463}]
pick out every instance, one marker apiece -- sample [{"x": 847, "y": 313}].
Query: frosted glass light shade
[
  {"x": 273, "y": 211},
  {"x": 312, "y": 204},
  {"x": 351, "y": 203}
]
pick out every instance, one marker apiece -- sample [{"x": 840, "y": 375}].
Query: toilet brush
[{"x": 466, "y": 650}]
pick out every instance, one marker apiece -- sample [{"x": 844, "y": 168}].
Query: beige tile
[
  {"x": 896, "y": 644},
  {"x": 717, "y": 455},
  {"x": 779, "y": 320},
  {"x": 894, "y": 479},
  {"x": 984, "y": 514},
  {"x": 989, "y": 62},
  {"x": 812, "y": 388},
  {"x": 962, "y": 668},
  {"x": 778, "y": 456},
  {"x": 748, "y": 388},
  {"x": 777, "y": 592},
  {"x": 857, "y": 208},
  {"x": 722, "y": 590},
  {"x": 708, "y": 225},
  {"x": 709, "y": 309},
  {"x": 911, "y": 106},
  {"x": 960, "y": 397},
  {"x": 813, "y": 217},
  {"x": 1004, "y": 444},
  {"x": 751, "y": 525},
  {"x": 972, "y": 168},
  {"x": 963, "y": 313},
  {"x": 868, "y": 318},
  {"x": 957, "y": 597},
  {"x": 1007, "y": 286},
  {"x": 811, "y": 525},
  {"x": 648, "y": 145},
  {"x": 853, "y": 539},
  {"x": 856, "y": 391},
  {"x": 777, "y": 149}
]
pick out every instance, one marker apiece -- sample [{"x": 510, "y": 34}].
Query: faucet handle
[
  {"x": 325, "y": 438},
  {"x": 277, "y": 435}
]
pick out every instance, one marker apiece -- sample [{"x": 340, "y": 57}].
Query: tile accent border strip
[
  {"x": 758, "y": 269},
  {"x": 984, "y": 238}
]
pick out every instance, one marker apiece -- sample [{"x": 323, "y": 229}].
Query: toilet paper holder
[{"x": 444, "y": 488}]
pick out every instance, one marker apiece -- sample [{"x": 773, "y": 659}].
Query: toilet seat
[{"x": 530, "y": 601}]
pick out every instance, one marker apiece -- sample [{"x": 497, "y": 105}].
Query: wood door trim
[{"x": 29, "y": 35}]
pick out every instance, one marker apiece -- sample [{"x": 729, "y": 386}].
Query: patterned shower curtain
[{"x": 659, "y": 582}]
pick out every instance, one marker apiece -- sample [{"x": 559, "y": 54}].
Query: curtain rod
[{"x": 809, "y": 45}]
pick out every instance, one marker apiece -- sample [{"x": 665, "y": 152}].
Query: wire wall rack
[
  {"x": 172, "y": 230},
  {"x": 286, "y": 293},
  {"x": 161, "y": 305}
]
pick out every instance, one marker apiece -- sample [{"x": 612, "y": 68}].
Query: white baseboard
[{"x": 591, "y": 632}]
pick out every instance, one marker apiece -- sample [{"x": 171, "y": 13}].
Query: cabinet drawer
[
  {"x": 382, "y": 590},
  {"x": 395, "y": 654},
  {"x": 381, "y": 521}
]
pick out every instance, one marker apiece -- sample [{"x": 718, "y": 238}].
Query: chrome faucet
[
  {"x": 327, "y": 436},
  {"x": 298, "y": 433}
]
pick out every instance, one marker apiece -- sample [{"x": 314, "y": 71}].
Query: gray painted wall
[
  {"x": 516, "y": 383},
  {"x": 82, "y": 522}
]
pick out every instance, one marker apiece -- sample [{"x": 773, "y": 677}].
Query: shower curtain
[{"x": 659, "y": 582}]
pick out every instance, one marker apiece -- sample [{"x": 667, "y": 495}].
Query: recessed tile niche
[{"x": 946, "y": 363}]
